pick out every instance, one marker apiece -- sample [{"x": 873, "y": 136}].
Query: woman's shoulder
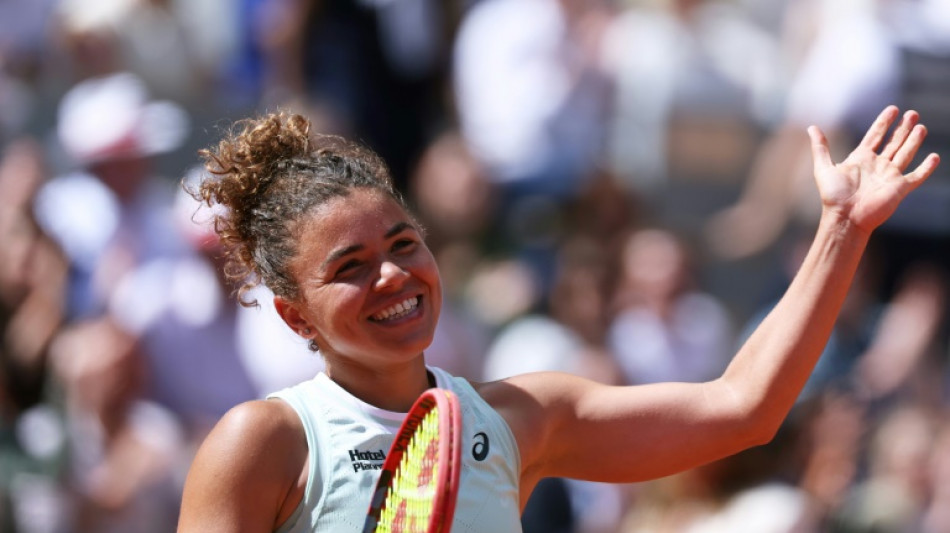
[
  {"x": 270, "y": 423},
  {"x": 265, "y": 437},
  {"x": 246, "y": 468},
  {"x": 270, "y": 418}
]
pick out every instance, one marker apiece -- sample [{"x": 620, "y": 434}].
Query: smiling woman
[
  {"x": 316, "y": 219},
  {"x": 368, "y": 289}
]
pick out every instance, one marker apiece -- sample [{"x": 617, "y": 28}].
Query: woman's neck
[{"x": 393, "y": 388}]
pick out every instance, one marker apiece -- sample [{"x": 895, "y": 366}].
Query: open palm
[{"x": 869, "y": 184}]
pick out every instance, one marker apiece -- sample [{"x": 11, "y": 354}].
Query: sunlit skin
[{"x": 358, "y": 256}]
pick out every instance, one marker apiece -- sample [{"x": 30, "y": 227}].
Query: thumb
[{"x": 820, "y": 154}]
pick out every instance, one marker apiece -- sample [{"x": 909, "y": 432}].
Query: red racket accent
[{"x": 418, "y": 484}]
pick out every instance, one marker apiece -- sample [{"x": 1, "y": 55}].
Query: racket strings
[{"x": 412, "y": 493}]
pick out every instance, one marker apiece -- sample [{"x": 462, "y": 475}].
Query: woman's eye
[
  {"x": 348, "y": 266},
  {"x": 402, "y": 244}
]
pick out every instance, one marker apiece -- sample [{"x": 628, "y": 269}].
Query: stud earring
[{"x": 306, "y": 331}]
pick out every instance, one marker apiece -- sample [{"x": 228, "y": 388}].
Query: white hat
[{"x": 111, "y": 117}]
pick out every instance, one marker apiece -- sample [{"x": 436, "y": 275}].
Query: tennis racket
[{"x": 418, "y": 485}]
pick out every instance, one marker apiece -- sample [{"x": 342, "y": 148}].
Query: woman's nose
[{"x": 391, "y": 275}]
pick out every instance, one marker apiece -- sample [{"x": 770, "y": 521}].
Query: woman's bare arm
[{"x": 571, "y": 427}]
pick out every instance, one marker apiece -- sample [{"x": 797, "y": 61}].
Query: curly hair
[{"x": 267, "y": 173}]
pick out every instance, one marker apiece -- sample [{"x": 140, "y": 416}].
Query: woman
[{"x": 318, "y": 222}]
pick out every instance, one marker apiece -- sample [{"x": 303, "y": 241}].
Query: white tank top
[{"x": 348, "y": 441}]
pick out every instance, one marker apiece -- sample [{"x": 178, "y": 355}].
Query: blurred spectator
[
  {"x": 23, "y": 35},
  {"x": 112, "y": 216},
  {"x": 857, "y": 57},
  {"x": 936, "y": 517},
  {"x": 666, "y": 329},
  {"x": 32, "y": 304},
  {"x": 767, "y": 508},
  {"x": 906, "y": 340},
  {"x": 565, "y": 332},
  {"x": 179, "y": 310},
  {"x": 368, "y": 69},
  {"x": 531, "y": 96},
  {"x": 452, "y": 194},
  {"x": 122, "y": 450},
  {"x": 689, "y": 103},
  {"x": 878, "y": 348},
  {"x": 160, "y": 41},
  {"x": 893, "y": 495},
  {"x": 831, "y": 452},
  {"x": 746, "y": 493},
  {"x": 532, "y": 104},
  {"x": 603, "y": 212},
  {"x": 32, "y": 281},
  {"x": 24, "y": 47},
  {"x": 455, "y": 202},
  {"x": 112, "y": 213}
]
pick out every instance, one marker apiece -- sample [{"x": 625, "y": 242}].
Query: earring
[{"x": 306, "y": 331}]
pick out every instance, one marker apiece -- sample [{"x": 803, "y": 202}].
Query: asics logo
[{"x": 481, "y": 447}]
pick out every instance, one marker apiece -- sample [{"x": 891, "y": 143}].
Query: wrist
[{"x": 840, "y": 226}]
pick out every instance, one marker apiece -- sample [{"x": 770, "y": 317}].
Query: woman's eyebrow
[
  {"x": 339, "y": 254},
  {"x": 396, "y": 229},
  {"x": 343, "y": 252}
]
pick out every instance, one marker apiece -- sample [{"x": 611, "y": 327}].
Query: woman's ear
[{"x": 291, "y": 315}]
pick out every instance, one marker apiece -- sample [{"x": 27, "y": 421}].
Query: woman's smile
[{"x": 406, "y": 309}]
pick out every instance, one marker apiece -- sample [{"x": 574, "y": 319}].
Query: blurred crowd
[{"x": 614, "y": 188}]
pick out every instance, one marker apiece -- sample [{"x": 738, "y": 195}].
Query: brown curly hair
[{"x": 268, "y": 172}]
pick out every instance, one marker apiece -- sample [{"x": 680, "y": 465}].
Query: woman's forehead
[{"x": 360, "y": 215}]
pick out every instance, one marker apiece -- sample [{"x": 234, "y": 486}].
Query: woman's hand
[{"x": 866, "y": 188}]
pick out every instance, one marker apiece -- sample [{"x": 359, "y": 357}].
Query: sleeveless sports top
[{"x": 349, "y": 439}]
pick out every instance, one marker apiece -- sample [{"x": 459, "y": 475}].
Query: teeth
[{"x": 397, "y": 310}]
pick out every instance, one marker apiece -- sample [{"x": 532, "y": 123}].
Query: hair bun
[
  {"x": 268, "y": 172},
  {"x": 240, "y": 169},
  {"x": 266, "y": 144}
]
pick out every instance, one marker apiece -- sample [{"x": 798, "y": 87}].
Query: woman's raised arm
[{"x": 570, "y": 427}]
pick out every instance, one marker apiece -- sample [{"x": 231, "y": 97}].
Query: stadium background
[{"x": 614, "y": 188}]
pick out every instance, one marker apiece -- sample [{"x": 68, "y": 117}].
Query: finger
[
  {"x": 923, "y": 170},
  {"x": 820, "y": 154},
  {"x": 907, "y": 124},
  {"x": 877, "y": 131},
  {"x": 908, "y": 150}
]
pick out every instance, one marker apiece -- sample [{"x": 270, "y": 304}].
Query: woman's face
[{"x": 369, "y": 286}]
